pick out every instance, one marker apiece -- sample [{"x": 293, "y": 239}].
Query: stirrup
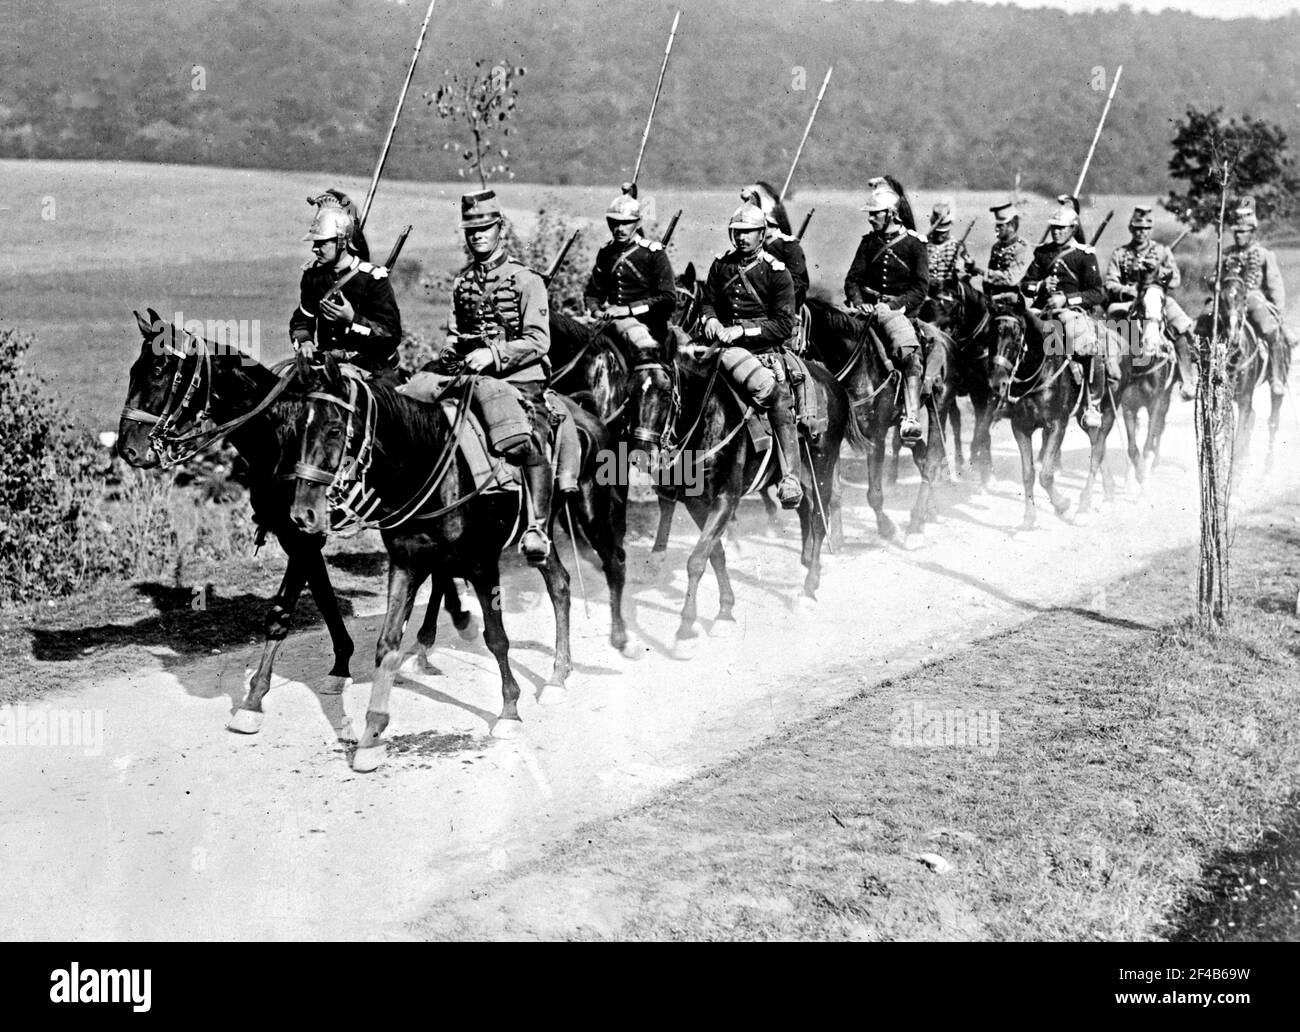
[
  {"x": 789, "y": 492},
  {"x": 538, "y": 550}
]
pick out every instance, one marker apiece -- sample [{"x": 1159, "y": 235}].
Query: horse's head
[
  {"x": 155, "y": 387},
  {"x": 690, "y": 293},
  {"x": 654, "y": 402},
  {"x": 325, "y": 431},
  {"x": 1232, "y": 305},
  {"x": 1010, "y": 326}
]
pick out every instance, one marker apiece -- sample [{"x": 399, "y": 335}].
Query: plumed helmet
[
  {"x": 755, "y": 194},
  {"x": 479, "y": 209},
  {"x": 942, "y": 214},
  {"x": 332, "y": 222},
  {"x": 624, "y": 208},
  {"x": 1141, "y": 218},
  {"x": 1004, "y": 213},
  {"x": 881, "y": 197},
  {"x": 1065, "y": 215},
  {"x": 747, "y": 216},
  {"x": 1244, "y": 216}
]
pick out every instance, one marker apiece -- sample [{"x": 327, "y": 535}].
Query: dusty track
[{"x": 183, "y": 830}]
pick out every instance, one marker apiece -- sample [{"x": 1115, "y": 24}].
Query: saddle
[
  {"x": 754, "y": 377},
  {"x": 495, "y": 419}
]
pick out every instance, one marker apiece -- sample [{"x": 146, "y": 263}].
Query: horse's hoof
[
  {"x": 914, "y": 541},
  {"x": 471, "y": 629},
  {"x": 804, "y": 603},
  {"x": 368, "y": 758},
  {"x": 552, "y": 694},
  {"x": 424, "y": 665},
  {"x": 632, "y": 648},
  {"x": 724, "y": 627},
  {"x": 686, "y": 648},
  {"x": 246, "y": 721},
  {"x": 346, "y": 733},
  {"x": 507, "y": 730}
]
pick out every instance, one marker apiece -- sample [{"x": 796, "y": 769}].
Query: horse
[
  {"x": 257, "y": 410},
  {"x": 844, "y": 341},
  {"x": 368, "y": 440},
  {"x": 1248, "y": 367},
  {"x": 966, "y": 315},
  {"x": 683, "y": 415},
  {"x": 1149, "y": 380},
  {"x": 590, "y": 359}
]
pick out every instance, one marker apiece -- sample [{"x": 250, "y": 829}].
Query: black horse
[
  {"x": 176, "y": 382},
  {"x": 692, "y": 425},
  {"x": 434, "y": 522},
  {"x": 845, "y": 342}
]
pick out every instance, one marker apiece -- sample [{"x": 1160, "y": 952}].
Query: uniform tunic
[
  {"x": 376, "y": 329},
  {"x": 756, "y": 292},
  {"x": 639, "y": 275},
  {"x": 946, "y": 261},
  {"x": 1077, "y": 277},
  {"x": 1258, "y": 268},
  {"x": 1008, "y": 262},
  {"x": 501, "y": 305},
  {"x": 1125, "y": 266},
  {"x": 893, "y": 268}
]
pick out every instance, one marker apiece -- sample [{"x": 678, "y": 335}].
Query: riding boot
[
  {"x": 535, "y": 545},
  {"x": 1186, "y": 366},
  {"x": 1090, "y": 418},
  {"x": 910, "y": 427},
  {"x": 790, "y": 490}
]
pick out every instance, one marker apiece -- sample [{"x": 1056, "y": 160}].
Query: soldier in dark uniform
[
  {"x": 1265, "y": 295},
  {"x": 889, "y": 280},
  {"x": 1011, "y": 253},
  {"x": 749, "y": 304},
  {"x": 499, "y": 326},
  {"x": 632, "y": 281},
  {"x": 1064, "y": 284},
  {"x": 1143, "y": 261},
  {"x": 357, "y": 320},
  {"x": 950, "y": 265},
  {"x": 779, "y": 242}
]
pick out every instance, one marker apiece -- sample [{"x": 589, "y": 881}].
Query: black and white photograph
[{"x": 672, "y": 470}]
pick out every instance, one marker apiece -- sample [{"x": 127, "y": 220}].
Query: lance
[
  {"x": 1078, "y": 187},
  {"x": 559, "y": 258},
  {"x": 804, "y": 227},
  {"x": 672, "y": 225},
  {"x": 1180, "y": 238},
  {"x": 1102, "y": 228},
  {"x": 389, "y": 262},
  {"x": 636, "y": 172},
  {"x": 392, "y": 128},
  {"x": 806, "y": 130}
]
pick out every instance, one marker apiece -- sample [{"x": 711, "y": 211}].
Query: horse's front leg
[
  {"x": 487, "y": 586},
  {"x": 557, "y": 586},
  {"x": 1130, "y": 411},
  {"x": 875, "y": 494},
  {"x": 666, "y": 508},
  {"x": 953, "y": 412},
  {"x": 1050, "y": 462},
  {"x": 1023, "y": 433},
  {"x": 461, "y": 618},
  {"x": 929, "y": 458},
  {"x": 712, "y": 519},
  {"x": 403, "y": 583},
  {"x": 248, "y": 718},
  {"x": 1158, "y": 413},
  {"x": 1274, "y": 418}
]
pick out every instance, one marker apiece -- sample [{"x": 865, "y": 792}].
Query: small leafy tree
[
  {"x": 1254, "y": 151},
  {"x": 484, "y": 102}
]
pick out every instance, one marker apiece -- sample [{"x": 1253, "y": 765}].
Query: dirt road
[{"x": 179, "y": 829}]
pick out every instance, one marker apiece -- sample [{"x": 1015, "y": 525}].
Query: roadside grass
[{"x": 1129, "y": 752}]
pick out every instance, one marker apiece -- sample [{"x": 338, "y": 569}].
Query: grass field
[{"x": 88, "y": 242}]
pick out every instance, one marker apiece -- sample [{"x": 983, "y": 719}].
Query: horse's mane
[
  {"x": 423, "y": 423},
  {"x": 836, "y": 319}
]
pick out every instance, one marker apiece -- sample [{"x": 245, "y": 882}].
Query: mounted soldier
[
  {"x": 1011, "y": 253},
  {"x": 748, "y": 309},
  {"x": 779, "y": 242},
  {"x": 631, "y": 282},
  {"x": 1140, "y": 275},
  {"x": 950, "y": 265},
  {"x": 499, "y": 327},
  {"x": 888, "y": 281},
  {"x": 1064, "y": 284},
  {"x": 1265, "y": 295},
  {"x": 346, "y": 304}
]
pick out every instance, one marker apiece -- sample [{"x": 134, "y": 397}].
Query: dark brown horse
[
  {"x": 691, "y": 424},
  {"x": 177, "y": 383},
  {"x": 370, "y": 439},
  {"x": 846, "y": 344}
]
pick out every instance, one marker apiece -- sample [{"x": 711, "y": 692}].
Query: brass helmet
[
  {"x": 1065, "y": 215},
  {"x": 756, "y": 195},
  {"x": 881, "y": 197},
  {"x": 332, "y": 222},
  {"x": 746, "y": 217},
  {"x": 624, "y": 208}
]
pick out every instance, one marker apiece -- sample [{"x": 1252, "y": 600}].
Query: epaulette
[
  {"x": 772, "y": 260},
  {"x": 789, "y": 238},
  {"x": 1085, "y": 248},
  {"x": 914, "y": 233},
  {"x": 375, "y": 271},
  {"x": 650, "y": 245}
]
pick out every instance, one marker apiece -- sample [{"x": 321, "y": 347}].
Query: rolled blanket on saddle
[{"x": 757, "y": 377}]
